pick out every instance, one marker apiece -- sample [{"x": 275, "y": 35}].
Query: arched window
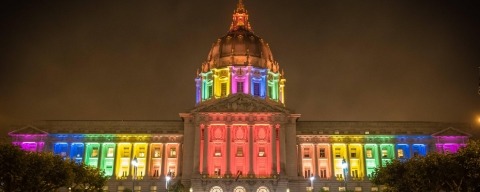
[
  {"x": 216, "y": 189},
  {"x": 239, "y": 189},
  {"x": 263, "y": 189}
]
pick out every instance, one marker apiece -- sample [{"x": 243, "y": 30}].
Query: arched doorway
[
  {"x": 263, "y": 189},
  {"x": 239, "y": 189},
  {"x": 216, "y": 189}
]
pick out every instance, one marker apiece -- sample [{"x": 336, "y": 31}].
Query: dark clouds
[{"x": 344, "y": 60}]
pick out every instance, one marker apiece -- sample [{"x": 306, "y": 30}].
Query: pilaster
[
  {"x": 205, "y": 149},
  {"x": 164, "y": 159},
  {"x": 250, "y": 150},
  {"x": 273, "y": 141},
  {"x": 315, "y": 160},
  {"x": 228, "y": 171}
]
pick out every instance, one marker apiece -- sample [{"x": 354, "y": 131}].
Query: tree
[
  {"x": 86, "y": 178},
  {"x": 12, "y": 167},
  {"x": 39, "y": 172},
  {"x": 45, "y": 172},
  {"x": 434, "y": 172},
  {"x": 177, "y": 187},
  {"x": 469, "y": 158}
]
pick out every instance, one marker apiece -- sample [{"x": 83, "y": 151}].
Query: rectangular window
[
  {"x": 94, "y": 152},
  {"x": 270, "y": 92},
  {"x": 306, "y": 152},
  {"x": 110, "y": 152},
  {"x": 307, "y": 172},
  {"x": 210, "y": 91},
  {"x": 239, "y": 151},
  {"x": 261, "y": 151},
  {"x": 384, "y": 153},
  {"x": 400, "y": 153},
  {"x": 218, "y": 152},
  {"x": 126, "y": 152},
  {"x": 239, "y": 87},
  {"x": 223, "y": 89},
  {"x": 217, "y": 171},
  {"x": 369, "y": 153},
  {"x": 157, "y": 153},
  {"x": 173, "y": 152},
  {"x": 256, "y": 89},
  {"x": 323, "y": 172},
  {"x": 355, "y": 173},
  {"x": 141, "y": 152},
  {"x": 419, "y": 150},
  {"x": 322, "y": 153},
  {"x": 353, "y": 153},
  {"x": 171, "y": 171},
  {"x": 337, "y": 152}
]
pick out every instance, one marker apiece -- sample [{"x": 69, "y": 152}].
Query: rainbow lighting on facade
[{"x": 240, "y": 136}]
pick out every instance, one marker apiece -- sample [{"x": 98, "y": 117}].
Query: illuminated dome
[
  {"x": 240, "y": 47},
  {"x": 240, "y": 62}
]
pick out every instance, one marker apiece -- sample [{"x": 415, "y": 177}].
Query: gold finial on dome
[
  {"x": 240, "y": 6},
  {"x": 240, "y": 18}
]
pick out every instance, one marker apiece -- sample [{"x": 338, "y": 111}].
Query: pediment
[
  {"x": 240, "y": 103},
  {"x": 450, "y": 132},
  {"x": 30, "y": 130}
]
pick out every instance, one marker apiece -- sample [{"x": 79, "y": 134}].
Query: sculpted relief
[{"x": 241, "y": 103}]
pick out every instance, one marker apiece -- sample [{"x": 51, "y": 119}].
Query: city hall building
[{"x": 240, "y": 137}]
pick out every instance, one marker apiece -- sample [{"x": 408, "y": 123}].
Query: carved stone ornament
[
  {"x": 240, "y": 103},
  {"x": 262, "y": 133},
  {"x": 217, "y": 133},
  {"x": 240, "y": 132}
]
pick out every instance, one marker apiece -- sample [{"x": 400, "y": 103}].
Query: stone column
[
  {"x": 282, "y": 148},
  {"x": 291, "y": 141},
  {"x": 188, "y": 162},
  {"x": 132, "y": 155},
  {"x": 196, "y": 152},
  {"x": 228, "y": 171},
  {"x": 250, "y": 150},
  {"x": 273, "y": 141},
  {"x": 332, "y": 162},
  {"x": 164, "y": 159},
  {"x": 379, "y": 153},
  {"x": 315, "y": 159},
  {"x": 347, "y": 158},
  {"x": 410, "y": 149},
  {"x": 179, "y": 160},
  {"x": 364, "y": 161},
  {"x": 299, "y": 159},
  {"x": 205, "y": 149}
]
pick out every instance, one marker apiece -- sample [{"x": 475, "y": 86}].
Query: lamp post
[
  {"x": 345, "y": 171},
  {"x": 311, "y": 181},
  {"x": 167, "y": 179},
  {"x": 134, "y": 176}
]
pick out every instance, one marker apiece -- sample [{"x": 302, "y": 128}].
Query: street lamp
[
  {"x": 311, "y": 181},
  {"x": 134, "y": 176},
  {"x": 345, "y": 171},
  {"x": 167, "y": 179}
]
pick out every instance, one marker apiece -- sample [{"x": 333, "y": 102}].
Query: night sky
[{"x": 136, "y": 60}]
